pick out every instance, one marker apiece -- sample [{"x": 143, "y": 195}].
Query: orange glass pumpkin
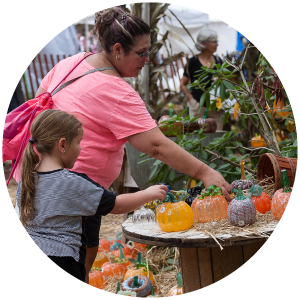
[
  {"x": 100, "y": 259},
  {"x": 261, "y": 200},
  {"x": 141, "y": 269},
  {"x": 126, "y": 251},
  {"x": 281, "y": 197},
  {"x": 210, "y": 206},
  {"x": 113, "y": 268},
  {"x": 97, "y": 278},
  {"x": 174, "y": 215},
  {"x": 177, "y": 289},
  {"x": 104, "y": 244}
]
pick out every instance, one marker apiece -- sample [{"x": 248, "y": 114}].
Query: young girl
[{"x": 54, "y": 201}]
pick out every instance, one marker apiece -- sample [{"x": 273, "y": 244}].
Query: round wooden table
[{"x": 202, "y": 260}]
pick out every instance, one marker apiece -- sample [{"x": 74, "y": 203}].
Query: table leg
[{"x": 201, "y": 267}]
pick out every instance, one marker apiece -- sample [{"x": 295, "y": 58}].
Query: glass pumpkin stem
[
  {"x": 187, "y": 111},
  {"x": 170, "y": 113},
  {"x": 243, "y": 177},
  {"x": 112, "y": 259},
  {"x": 152, "y": 290},
  {"x": 179, "y": 280},
  {"x": 285, "y": 182},
  {"x": 139, "y": 260},
  {"x": 205, "y": 116},
  {"x": 255, "y": 190},
  {"x": 118, "y": 287},
  {"x": 135, "y": 283},
  {"x": 240, "y": 195}
]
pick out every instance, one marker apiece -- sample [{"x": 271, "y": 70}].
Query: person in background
[
  {"x": 54, "y": 201},
  {"x": 207, "y": 43},
  {"x": 113, "y": 113}
]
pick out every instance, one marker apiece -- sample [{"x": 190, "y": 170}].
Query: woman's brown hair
[
  {"x": 46, "y": 130},
  {"x": 114, "y": 25}
]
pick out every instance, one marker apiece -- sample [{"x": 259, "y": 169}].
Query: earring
[
  {"x": 117, "y": 57},
  {"x": 64, "y": 151}
]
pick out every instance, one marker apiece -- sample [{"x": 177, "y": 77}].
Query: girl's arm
[{"x": 129, "y": 202}]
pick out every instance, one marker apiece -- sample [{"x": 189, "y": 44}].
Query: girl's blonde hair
[{"x": 46, "y": 130}]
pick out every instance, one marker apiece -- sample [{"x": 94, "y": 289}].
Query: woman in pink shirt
[{"x": 112, "y": 112}]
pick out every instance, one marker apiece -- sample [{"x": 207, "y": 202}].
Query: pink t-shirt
[{"x": 109, "y": 109}]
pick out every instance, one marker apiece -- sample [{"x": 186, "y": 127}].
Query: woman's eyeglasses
[{"x": 142, "y": 54}]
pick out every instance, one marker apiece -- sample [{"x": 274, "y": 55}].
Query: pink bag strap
[
  {"x": 14, "y": 166},
  {"x": 84, "y": 57}
]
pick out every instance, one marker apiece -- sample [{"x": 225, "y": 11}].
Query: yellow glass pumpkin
[
  {"x": 173, "y": 215},
  {"x": 210, "y": 206}
]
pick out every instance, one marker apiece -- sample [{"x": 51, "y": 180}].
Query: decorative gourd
[
  {"x": 100, "y": 259},
  {"x": 261, "y": 200},
  {"x": 177, "y": 289},
  {"x": 190, "y": 126},
  {"x": 175, "y": 126},
  {"x": 210, "y": 206},
  {"x": 143, "y": 215},
  {"x": 281, "y": 197},
  {"x": 139, "y": 284},
  {"x": 257, "y": 141},
  {"x": 104, "y": 244},
  {"x": 173, "y": 215},
  {"x": 241, "y": 210},
  {"x": 141, "y": 269},
  {"x": 113, "y": 268},
  {"x": 243, "y": 182},
  {"x": 97, "y": 278},
  {"x": 209, "y": 125}
]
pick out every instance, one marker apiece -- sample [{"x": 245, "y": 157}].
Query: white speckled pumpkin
[{"x": 241, "y": 210}]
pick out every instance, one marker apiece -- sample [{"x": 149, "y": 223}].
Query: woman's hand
[
  {"x": 213, "y": 177},
  {"x": 155, "y": 192}
]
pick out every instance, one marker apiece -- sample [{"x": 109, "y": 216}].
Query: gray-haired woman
[{"x": 207, "y": 43}]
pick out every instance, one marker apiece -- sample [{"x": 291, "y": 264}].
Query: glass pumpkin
[
  {"x": 104, "y": 244},
  {"x": 97, "y": 278},
  {"x": 209, "y": 125},
  {"x": 140, "y": 284},
  {"x": 243, "y": 182},
  {"x": 100, "y": 259},
  {"x": 210, "y": 206},
  {"x": 140, "y": 269},
  {"x": 261, "y": 200},
  {"x": 143, "y": 215},
  {"x": 173, "y": 215},
  {"x": 113, "y": 268},
  {"x": 241, "y": 210},
  {"x": 281, "y": 197},
  {"x": 177, "y": 289}
]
